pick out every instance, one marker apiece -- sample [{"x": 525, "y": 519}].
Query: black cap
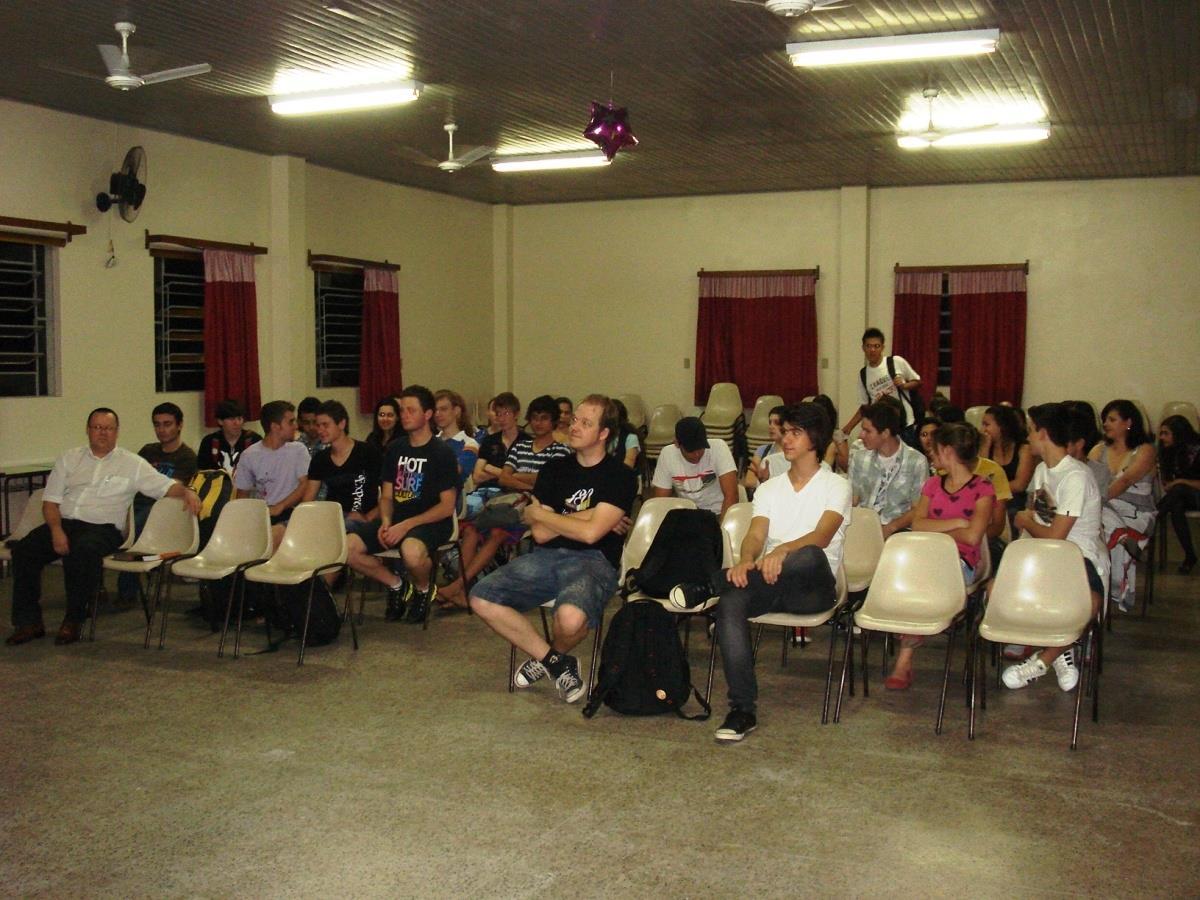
[{"x": 691, "y": 435}]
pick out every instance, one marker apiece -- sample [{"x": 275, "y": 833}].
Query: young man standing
[
  {"x": 696, "y": 469},
  {"x": 574, "y": 516},
  {"x": 419, "y": 485},
  {"x": 275, "y": 469},
  {"x": 1064, "y": 504},
  {"x": 875, "y": 381},
  {"x": 789, "y": 558},
  {"x": 887, "y": 475},
  {"x": 224, "y": 447}
]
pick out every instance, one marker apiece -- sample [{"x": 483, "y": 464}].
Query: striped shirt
[{"x": 522, "y": 458}]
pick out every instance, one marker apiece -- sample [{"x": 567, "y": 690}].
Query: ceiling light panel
[
  {"x": 371, "y": 96},
  {"x": 897, "y": 48}
]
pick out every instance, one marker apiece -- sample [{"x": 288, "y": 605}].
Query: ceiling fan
[
  {"x": 994, "y": 130},
  {"x": 451, "y": 163},
  {"x": 116, "y": 60},
  {"x": 792, "y": 8}
]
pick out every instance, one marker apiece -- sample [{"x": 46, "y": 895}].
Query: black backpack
[
  {"x": 686, "y": 548},
  {"x": 643, "y": 669},
  {"x": 913, "y": 397},
  {"x": 324, "y": 623}
]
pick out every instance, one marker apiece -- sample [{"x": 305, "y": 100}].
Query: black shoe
[
  {"x": 418, "y": 604},
  {"x": 570, "y": 683},
  {"x": 397, "y": 600},
  {"x": 737, "y": 725},
  {"x": 690, "y": 595}
]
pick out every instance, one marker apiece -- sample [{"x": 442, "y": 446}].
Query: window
[
  {"x": 26, "y": 318},
  {"x": 178, "y": 323},
  {"x": 945, "y": 337},
  {"x": 339, "y": 304}
]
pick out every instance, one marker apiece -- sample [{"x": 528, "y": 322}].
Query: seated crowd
[{"x": 567, "y": 486}]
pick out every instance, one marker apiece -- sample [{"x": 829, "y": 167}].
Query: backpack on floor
[
  {"x": 686, "y": 548},
  {"x": 324, "y": 623},
  {"x": 643, "y": 668}
]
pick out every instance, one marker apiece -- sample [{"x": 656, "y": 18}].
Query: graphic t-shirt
[
  {"x": 566, "y": 487},
  {"x": 523, "y": 459},
  {"x": 271, "y": 474},
  {"x": 791, "y": 514},
  {"x": 418, "y": 475},
  {"x": 180, "y": 463},
  {"x": 699, "y": 481},
  {"x": 355, "y": 483},
  {"x": 217, "y": 453},
  {"x": 1070, "y": 489},
  {"x": 959, "y": 505},
  {"x": 880, "y": 384}
]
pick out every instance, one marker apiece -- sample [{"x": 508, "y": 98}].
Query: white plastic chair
[
  {"x": 760, "y": 419},
  {"x": 241, "y": 538},
  {"x": 171, "y": 528},
  {"x": 974, "y": 416},
  {"x": 1184, "y": 408},
  {"x": 917, "y": 589},
  {"x": 31, "y": 518},
  {"x": 724, "y": 406},
  {"x": 636, "y": 407},
  {"x": 314, "y": 543},
  {"x": 736, "y": 523},
  {"x": 661, "y": 431},
  {"x": 1041, "y": 598},
  {"x": 862, "y": 548}
]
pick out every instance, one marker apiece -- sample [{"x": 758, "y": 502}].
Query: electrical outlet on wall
[
  {"x": 687, "y": 362},
  {"x": 824, "y": 362}
]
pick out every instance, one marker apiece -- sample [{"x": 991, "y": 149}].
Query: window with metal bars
[
  {"x": 945, "y": 354},
  {"x": 26, "y": 320},
  {"x": 339, "y": 305},
  {"x": 178, "y": 323}
]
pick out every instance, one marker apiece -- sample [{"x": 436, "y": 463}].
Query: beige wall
[
  {"x": 51, "y": 167},
  {"x": 1114, "y": 280}
]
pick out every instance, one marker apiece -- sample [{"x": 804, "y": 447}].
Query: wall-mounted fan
[
  {"x": 116, "y": 60},
  {"x": 451, "y": 163},
  {"x": 126, "y": 188}
]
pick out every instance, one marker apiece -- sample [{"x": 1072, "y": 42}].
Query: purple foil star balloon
[{"x": 609, "y": 129}]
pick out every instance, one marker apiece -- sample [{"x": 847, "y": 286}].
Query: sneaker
[
  {"x": 1016, "y": 651},
  {"x": 737, "y": 725},
  {"x": 419, "y": 603},
  {"x": 530, "y": 672},
  {"x": 1065, "y": 670},
  {"x": 570, "y": 685},
  {"x": 397, "y": 600},
  {"x": 1018, "y": 676},
  {"x": 690, "y": 595}
]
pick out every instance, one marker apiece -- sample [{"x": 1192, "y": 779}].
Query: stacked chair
[
  {"x": 661, "y": 430},
  {"x": 757, "y": 434},
  {"x": 1183, "y": 408},
  {"x": 636, "y": 407},
  {"x": 974, "y": 416},
  {"x": 724, "y": 417}
]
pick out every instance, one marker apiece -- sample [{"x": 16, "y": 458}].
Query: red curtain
[
  {"x": 379, "y": 364},
  {"x": 987, "y": 316},
  {"x": 230, "y": 333},
  {"x": 759, "y": 332},
  {"x": 915, "y": 325}
]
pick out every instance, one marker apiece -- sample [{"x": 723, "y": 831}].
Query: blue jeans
[{"x": 581, "y": 578}]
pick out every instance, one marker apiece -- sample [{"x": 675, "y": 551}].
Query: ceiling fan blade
[
  {"x": 416, "y": 157},
  {"x": 172, "y": 74},
  {"x": 67, "y": 70},
  {"x": 474, "y": 155},
  {"x": 114, "y": 60}
]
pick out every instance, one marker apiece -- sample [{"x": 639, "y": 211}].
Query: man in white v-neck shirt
[{"x": 789, "y": 558}]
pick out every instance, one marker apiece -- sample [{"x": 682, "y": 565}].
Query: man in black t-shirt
[
  {"x": 576, "y": 517},
  {"x": 347, "y": 469},
  {"x": 223, "y": 448},
  {"x": 416, "y": 508}
]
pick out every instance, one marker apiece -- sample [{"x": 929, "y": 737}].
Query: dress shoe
[
  {"x": 68, "y": 632},
  {"x": 25, "y": 634}
]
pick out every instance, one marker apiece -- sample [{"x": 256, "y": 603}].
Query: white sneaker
[
  {"x": 1065, "y": 670},
  {"x": 1018, "y": 676}
]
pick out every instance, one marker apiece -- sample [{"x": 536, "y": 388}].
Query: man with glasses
[{"x": 86, "y": 506}]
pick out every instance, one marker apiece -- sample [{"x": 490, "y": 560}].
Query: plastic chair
[
  {"x": 314, "y": 543},
  {"x": 636, "y": 407},
  {"x": 917, "y": 589},
  {"x": 241, "y": 538},
  {"x": 31, "y": 518},
  {"x": 760, "y": 419},
  {"x": 735, "y": 524},
  {"x": 724, "y": 405},
  {"x": 661, "y": 431},
  {"x": 974, "y": 416},
  {"x": 170, "y": 528},
  {"x": 862, "y": 548},
  {"x": 1183, "y": 408},
  {"x": 454, "y": 542},
  {"x": 1040, "y": 598}
]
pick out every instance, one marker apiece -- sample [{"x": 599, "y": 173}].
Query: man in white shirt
[
  {"x": 697, "y": 469},
  {"x": 1064, "y": 504},
  {"x": 789, "y": 558},
  {"x": 86, "y": 507},
  {"x": 876, "y": 380}
]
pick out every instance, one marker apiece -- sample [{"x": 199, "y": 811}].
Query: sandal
[{"x": 896, "y": 683}]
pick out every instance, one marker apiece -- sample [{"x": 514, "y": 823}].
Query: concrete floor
[{"x": 406, "y": 769}]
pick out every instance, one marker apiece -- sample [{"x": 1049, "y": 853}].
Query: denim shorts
[{"x": 581, "y": 578}]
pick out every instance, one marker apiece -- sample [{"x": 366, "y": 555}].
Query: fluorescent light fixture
[
  {"x": 853, "y": 51},
  {"x": 531, "y": 162},
  {"x": 995, "y": 135},
  {"x": 363, "y": 96}
]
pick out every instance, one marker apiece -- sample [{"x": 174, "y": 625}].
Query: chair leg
[
  {"x": 545, "y": 624},
  {"x": 833, "y": 636},
  {"x": 312, "y": 585},
  {"x": 712, "y": 665},
  {"x": 1095, "y": 667},
  {"x": 352, "y": 617},
  {"x": 787, "y": 636},
  {"x": 866, "y": 639},
  {"x": 164, "y": 607},
  {"x": 973, "y": 656},
  {"x": 847, "y": 667},
  {"x": 595, "y": 656},
  {"x": 95, "y": 612},
  {"x": 237, "y": 637},
  {"x": 945, "y": 681},
  {"x": 512, "y": 667},
  {"x": 154, "y": 609},
  {"x": 1075, "y": 721},
  {"x": 228, "y": 611},
  {"x": 757, "y": 640}
]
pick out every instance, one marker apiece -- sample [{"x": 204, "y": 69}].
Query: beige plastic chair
[
  {"x": 917, "y": 589},
  {"x": 241, "y": 538},
  {"x": 974, "y": 416},
  {"x": 760, "y": 419},
  {"x": 724, "y": 406},
  {"x": 1183, "y": 408},
  {"x": 736, "y": 524},
  {"x": 636, "y": 407},
  {"x": 661, "y": 431},
  {"x": 31, "y": 518},
  {"x": 314, "y": 543},
  {"x": 1040, "y": 598},
  {"x": 170, "y": 528},
  {"x": 862, "y": 548}
]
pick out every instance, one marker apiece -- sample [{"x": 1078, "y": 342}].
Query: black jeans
[
  {"x": 805, "y": 586},
  {"x": 81, "y": 568},
  {"x": 1178, "y": 501}
]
